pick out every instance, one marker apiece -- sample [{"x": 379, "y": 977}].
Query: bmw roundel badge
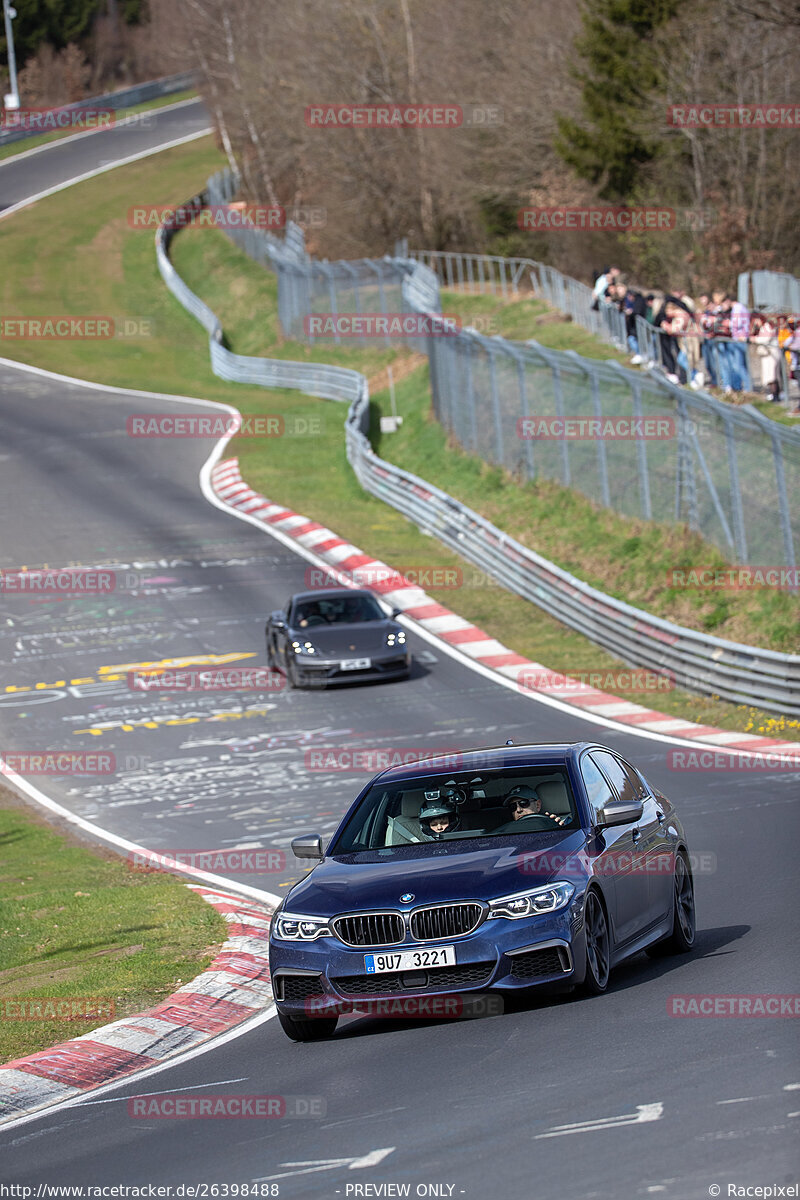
[{"x": 406, "y": 897}]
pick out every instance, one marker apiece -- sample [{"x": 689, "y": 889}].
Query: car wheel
[
  {"x": 270, "y": 654},
  {"x": 315, "y": 1030},
  {"x": 598, "y": 945},
  {"x": 681, "y": 939},
  {"x": 291, "y": 674}
]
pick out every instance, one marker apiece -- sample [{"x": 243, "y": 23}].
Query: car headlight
[
  {"x": 397, "y": 638},
  {"x": 530, "y": 904},
  {"x": 304, "y": 647},
  {"x": 289, "y": 928}
]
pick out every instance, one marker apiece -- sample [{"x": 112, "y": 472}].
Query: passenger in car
[{"x": 437, "y": 817}]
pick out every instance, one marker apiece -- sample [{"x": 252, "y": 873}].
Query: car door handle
[
  {"x": 660, "y": 816},
  {"x": 635, "y": 835}
]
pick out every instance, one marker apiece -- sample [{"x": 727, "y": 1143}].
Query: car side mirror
[
  {"x": 619, "y": 812},
  {"x": 278, "y": 620},
  {"x": 395, "y": 613},
  {"x": 309, "y": 845}
]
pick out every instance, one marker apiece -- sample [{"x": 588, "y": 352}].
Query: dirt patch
[
  {"x": 402, "y": 367},
  {"x": 106, "y": 245},
  {"x": 31, "y": 976}
]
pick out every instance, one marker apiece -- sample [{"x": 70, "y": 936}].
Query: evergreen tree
[
  {"x": 59, "y": 22},
  {"x": 609, "y": 145}
]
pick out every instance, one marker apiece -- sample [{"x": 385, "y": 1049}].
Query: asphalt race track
[{"x": 605, "y": 1097}]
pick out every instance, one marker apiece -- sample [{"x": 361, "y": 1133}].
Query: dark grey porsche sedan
[{"x": 336, "y": 635}]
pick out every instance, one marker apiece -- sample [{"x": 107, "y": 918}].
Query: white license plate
[
  {"x": 410, "y": 960},
  {"x": 357, "y": 664}
]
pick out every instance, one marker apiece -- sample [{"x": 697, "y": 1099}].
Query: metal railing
[
  {"x": 128, "y": 97},
  {"x": 490, "y": 274},
  {"x": 728, "y": 472},
  {"x": 702, "y": 663}
]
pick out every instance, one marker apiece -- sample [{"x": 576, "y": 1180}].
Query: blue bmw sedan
[{"x": 488, "y": 871}]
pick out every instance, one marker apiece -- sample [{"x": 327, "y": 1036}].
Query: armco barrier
[
  {"x": 701, "y": 663},
  {"x": 128, "y": 97}
]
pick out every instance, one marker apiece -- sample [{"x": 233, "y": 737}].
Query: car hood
[
  {"x": 493, "y": 867},
  {"x": 369, "y": 638}
]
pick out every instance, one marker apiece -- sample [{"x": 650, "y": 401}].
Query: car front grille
[
  {"x": 370, "y": 929},
  {"x": 445, "y": 920},
  {"x": 540, "y": 964},
  {"x": 438, "y": 979}
]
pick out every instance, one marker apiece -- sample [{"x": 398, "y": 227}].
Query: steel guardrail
[{"x": 701, "y": 663}]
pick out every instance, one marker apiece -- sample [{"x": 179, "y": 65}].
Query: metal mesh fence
[{"x": 628, "y": 440}]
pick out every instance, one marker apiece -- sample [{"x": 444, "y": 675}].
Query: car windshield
[
  {"x": 458, "y": 807},
  {"x": 336, "y": 610}
]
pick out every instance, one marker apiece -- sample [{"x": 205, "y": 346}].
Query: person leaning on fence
[
  {"x": 791, "y": 348},
  {"x": 704, "y": 315},
  {"x": 632, "y": 305},
  {"x": 604, "y": 280},
  {"x": 721, "y": 309},
  {"x": 663, "y": 320},
  {"x": 740, "y": 332},
  {"x": 765, "y": 337}
]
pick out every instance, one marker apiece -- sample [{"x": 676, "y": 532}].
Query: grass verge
[
  {"x": 78, "y": 923},
  {"x": 44, "y": 139},
  {"x": 89, "y": 261}
]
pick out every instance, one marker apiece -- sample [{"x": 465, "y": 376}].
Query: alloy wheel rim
[
  {"x": 597, "y": 940},
  {"x": 684, "y": 900}
]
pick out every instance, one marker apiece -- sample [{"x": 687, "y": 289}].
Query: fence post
[
  {"x": 558, "y": 399},
  {"x": 783, "y": 501},
  {"x": 737, "y": 512},
  {"x": 473, "y": 412},
  {"x": 641, "y": 455},
  {"x": 498, "y": 424},
  {"x": 530, "y": 466},
  {"x": 602, "y": 461},
  {"x": 685, "y": 483}
]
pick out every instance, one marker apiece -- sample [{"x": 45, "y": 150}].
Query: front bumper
[
  {"x": 319, "y": 672},
  {"x": 502, "y": 955}
]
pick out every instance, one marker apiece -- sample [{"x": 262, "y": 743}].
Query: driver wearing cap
[{"x": 524, "y": 802}]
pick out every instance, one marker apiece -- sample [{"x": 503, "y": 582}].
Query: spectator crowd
[{"x": 712, "y": 340}]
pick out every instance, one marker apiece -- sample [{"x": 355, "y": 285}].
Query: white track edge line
[
  {"x": 293, "y": 544},
  {"x": 181, "y": 1057},
  {"x": 122, "y": 843},
  {"x": 112, "y": 166}
]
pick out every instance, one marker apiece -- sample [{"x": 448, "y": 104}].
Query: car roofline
[{"x": 570, "y": 751}]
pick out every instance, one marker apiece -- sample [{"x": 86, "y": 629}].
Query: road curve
[{"x": 609, "y": 1097}]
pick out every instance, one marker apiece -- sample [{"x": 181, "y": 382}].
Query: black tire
[
  {"x": 315, "y": 1030},
  {"x": 270, "y": 655},
  {"x": 598, "y": 945},
  {"x": 291, "y": 674},
  {"x": 684, "y": 925}
]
